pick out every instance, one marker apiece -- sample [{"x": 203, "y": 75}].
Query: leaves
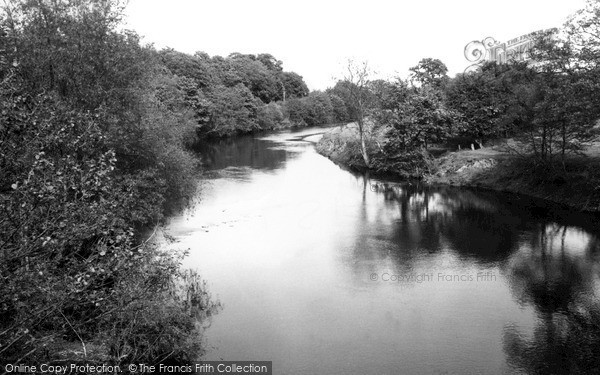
[{"x": 93, "y": 133}]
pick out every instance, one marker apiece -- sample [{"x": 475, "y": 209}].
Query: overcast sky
[{"x": 315, "y": 38}]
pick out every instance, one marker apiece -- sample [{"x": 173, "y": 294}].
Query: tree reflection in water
[
  {"x": 550, "y": 260},
  {"x": 557, "y": 272}
]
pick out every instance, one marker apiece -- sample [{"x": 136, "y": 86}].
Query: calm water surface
[{"x": 325, "y": 272}]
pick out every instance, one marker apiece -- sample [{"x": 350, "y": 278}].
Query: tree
[
  {"x": 357, "y": 84},
  {"x": 270, "y": 116},
  {"x": 293, "y": 85},
  {"x": 340, "y": 112},
  {"x": 430, "y": 72},
  {"x": 415, "y": 117},
  {"x": 208, "y": 82},
  {"x": 296, "y": 111},
  {"x": 234, "y": 110},
  {"x": 197, "y": 68},
  {"x": 341, "y": 89},
  {"x": 568, "y": 79},
  {"x": 270, "y": 62},
  {"x": 262, "y": 80},
  {"x": 481, "y": 101}
]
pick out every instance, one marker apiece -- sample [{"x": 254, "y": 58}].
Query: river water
[{"x": 326, "y": 272}]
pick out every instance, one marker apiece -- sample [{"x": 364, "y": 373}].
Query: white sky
[{"x": 315, "y": 38}]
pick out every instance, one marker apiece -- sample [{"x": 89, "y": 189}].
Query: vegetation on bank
[
  {"x": 93, "y": 134},
  {"x": 548, "y": 109},
  {"x": 244, "y": 93},
  {"x": 493, "y": 167}
]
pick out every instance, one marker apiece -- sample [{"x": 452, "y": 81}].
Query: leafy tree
[
  {"x": 270, "y": 62},
  {"x": 57, "y": 50},
  {"x": 387, "y": 95},
  {"x": 233, "y": 110},
  {"x": 257, "y": 77},
  {"x": 320, "y": 109},
  {"x": 197, "y": 68},
  {"x": 568, "y": 76},
  {"x": 294, "y": 86},
  {"x": 481, "y": 101},
  {"x": 342, "y": 90},
  {"x": 271, "y": 116},
  {"x": 431, "y": 72},
  {"x": 339, "y": 109},
  {"x": 296, "y": 111},
  {"x": 415, "y": 117}
]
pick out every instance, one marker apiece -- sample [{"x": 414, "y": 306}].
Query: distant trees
[
  {"x": 550, "y": 105},
  {"x": 236, "y": 94},
  {"x": 232, "y": 110}
]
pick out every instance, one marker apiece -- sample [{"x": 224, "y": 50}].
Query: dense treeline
[
  {"x": 248, "y": 93},
  {"x": 93, "y": 129},
  {"x": 549, "y": 105}
]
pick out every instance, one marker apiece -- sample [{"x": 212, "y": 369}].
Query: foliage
[
  {"x": 417, "y": 121},
  {"x": 410, "y": 164},
  {"x": 234, "y": 109},
  {"x": 430, "y": 72},
  {"x": 162, "y": 318},
  {"x": 339, "y": 108},
  {"x": 415, "y": 116},
  {"x": 271, "y": 116},
  {"x": 568, "y": 81},
  {"x": 235, "y": 94},
  {"x": 549, "y": 105},
  {"x": 319, "y": 109},
  {"x": 481, "y": 101},
  {"x": 294, "y": 86},
  {"x": 92, "y": 134}
]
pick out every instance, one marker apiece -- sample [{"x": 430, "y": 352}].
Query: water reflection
[
  {"x": 556, "y": 272},
  {"x": 301, "y": 254},
  {"x": 244, "y": 153},
  {"x": 551, "y": 264}
]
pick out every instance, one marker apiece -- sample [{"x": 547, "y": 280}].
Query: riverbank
[{"x": 492, "y": 168}]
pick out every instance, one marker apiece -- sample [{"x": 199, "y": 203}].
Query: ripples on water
[{"x": 323, "y": 271}]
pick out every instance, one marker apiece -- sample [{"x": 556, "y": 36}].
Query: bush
[
  {"x": 408, "y": 164},
  {"x": 92, "y": 151}
]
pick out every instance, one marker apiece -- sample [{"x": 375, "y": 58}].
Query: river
[{"x": 323, "y": 271}]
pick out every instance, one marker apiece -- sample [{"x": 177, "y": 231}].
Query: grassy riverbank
[{"x": 494, "y": 167}]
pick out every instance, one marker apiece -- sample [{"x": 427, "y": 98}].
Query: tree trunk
[{"x": 363, "y": 144}]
